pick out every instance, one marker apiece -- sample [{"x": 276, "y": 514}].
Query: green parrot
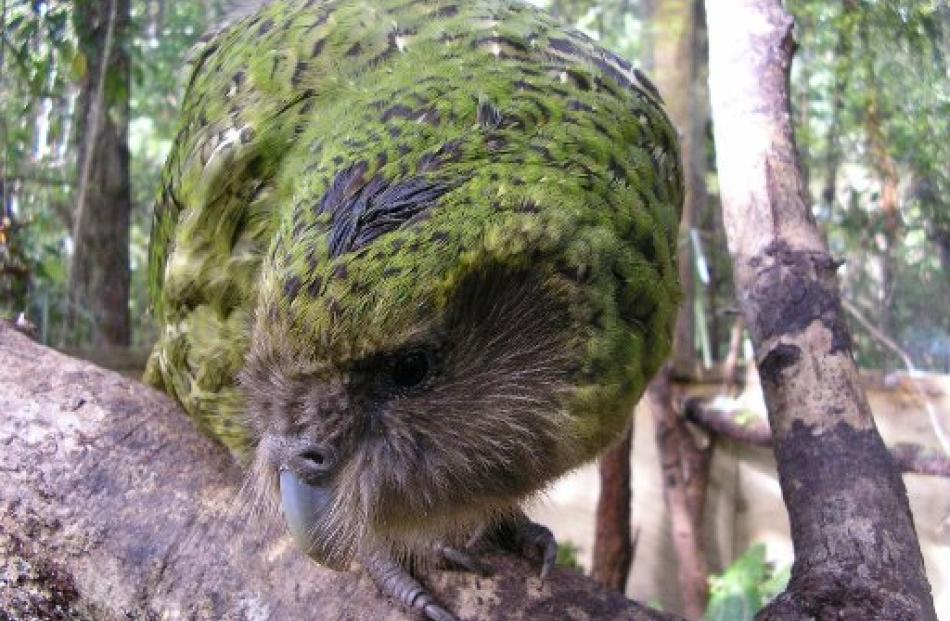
[{"x": 413, "y": 260}]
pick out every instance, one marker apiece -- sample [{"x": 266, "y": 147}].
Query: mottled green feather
[{"x": 542, "y": 149}]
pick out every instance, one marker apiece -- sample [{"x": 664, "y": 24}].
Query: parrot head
[{"x": 419, "y": 436}]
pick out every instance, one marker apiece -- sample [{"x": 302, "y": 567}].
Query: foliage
[
  {"x": 864, "y": 64},
  {"x": 567, "y": 552},
  {"x": 745, "y": 587}
]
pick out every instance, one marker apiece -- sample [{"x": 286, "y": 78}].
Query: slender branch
[
  {"x": 878, "y": 334},
  {"x": 910, "y": 458},
  {"x": 888, "y": 342},
  {"x": 39, "y": 178},
  {"x": 92, "y": 124},
  {"x": 613, "y": 541},
  {"x": 684, "y": 460}
]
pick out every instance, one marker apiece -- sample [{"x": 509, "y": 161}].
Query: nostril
[
  {"x": 314, "y": 460},
  {"x": 314, "y": 456}
]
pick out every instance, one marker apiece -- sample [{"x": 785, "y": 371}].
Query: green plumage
[{"x": 343, "y": 165}]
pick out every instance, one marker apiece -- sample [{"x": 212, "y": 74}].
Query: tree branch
[
  {"x": 684, "y": 463},
  {"x": 909, "y": 458},
  {"x": 613, "y": 541},
  {"x": 113, "y": 506}
]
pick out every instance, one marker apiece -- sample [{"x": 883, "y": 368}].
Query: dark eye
[{"x": 410, "y": 369}]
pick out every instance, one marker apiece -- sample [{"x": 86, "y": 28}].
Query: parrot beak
[{"x": 304, "y": 507}]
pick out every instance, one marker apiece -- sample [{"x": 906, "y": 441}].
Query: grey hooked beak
[{"x": 305, "y": 507}]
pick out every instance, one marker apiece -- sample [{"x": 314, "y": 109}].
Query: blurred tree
[
  {"x": 99, "y": 270},
  {"x": 42, "y": 71},
  {"x": 33, "y": 128},
  {"x": 676, "y": 70},
  {"x": 679, "y": 68}
]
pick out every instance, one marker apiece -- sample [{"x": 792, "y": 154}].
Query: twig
[
  {"x": 890, "y": 344},
  {"x": 910, "y": 458}
]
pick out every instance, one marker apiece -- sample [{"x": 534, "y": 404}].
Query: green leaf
[{"x": 739, "y": 592}]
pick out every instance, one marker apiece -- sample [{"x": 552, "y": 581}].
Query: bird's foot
[
  {"x": 393, "y": 580},
  {"x": 518, "y": 534},
  {"x": 531, "y": 540}
]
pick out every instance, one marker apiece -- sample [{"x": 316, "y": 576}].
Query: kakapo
[{"x": 411, "y": 261}]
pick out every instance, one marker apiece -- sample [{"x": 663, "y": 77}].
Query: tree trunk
[
  {"x": 99, "y": 269},
  {"x": 856, "y": 552},
  {"x": 684, "y": 464},
  {"x": 114, "y": 506},
  {"x": 613, "y": 544}
]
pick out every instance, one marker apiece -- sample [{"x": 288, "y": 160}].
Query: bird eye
[{"x": 410, "y": 369}]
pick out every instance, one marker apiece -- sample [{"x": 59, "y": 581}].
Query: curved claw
[
  {"x": 394, "y": 581},
  {"x": 434, "y": 612},
  {"x": 533, "y": 541},
  {"x": 550, "y": 557}
]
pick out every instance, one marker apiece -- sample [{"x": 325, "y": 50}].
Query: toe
[
  {"x": 393, "y": 580},
  {"x": 434, "y": 612},
  {"x": 538, "y": 543},
  {"x": 550, "y": 557},
  {"x": 462, "y": 560}
]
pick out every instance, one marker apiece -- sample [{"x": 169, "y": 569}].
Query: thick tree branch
[
  {"x": 856, "y": 553},
  {"x": 114, "y": 506}
]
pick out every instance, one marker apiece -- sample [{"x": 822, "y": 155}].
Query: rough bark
[
  {"x": 685, "y": 462},
  {"x": 114, "y": 506},
  {"x": 99, "y": 269},
  {"x": 613, "y": 543},
  {"x": 856, "y": 552}
]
